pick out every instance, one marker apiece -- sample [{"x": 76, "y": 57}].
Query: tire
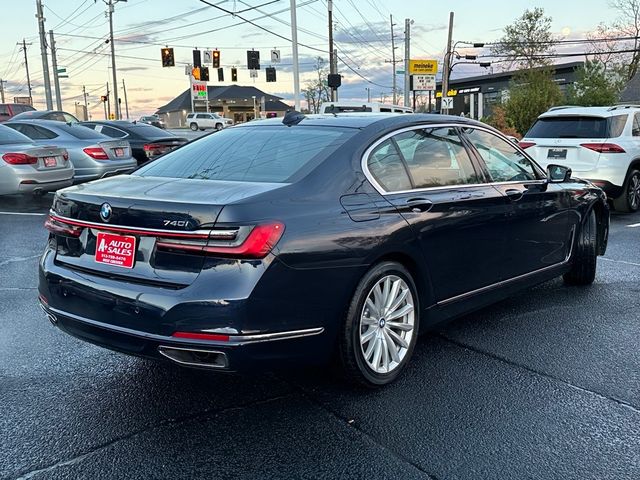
[
  {"x": 194, "y": 127},
  {"x": 583, "y": 268},
  {"x": 629, "y": 200},
  {"x": 218, "y": 126},
  {"x": 368, "y": 339}
]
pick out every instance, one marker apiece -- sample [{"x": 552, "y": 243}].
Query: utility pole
[
  {"x": 332, "y": 65},
  {"x": 116, "y": 109},
  {"x": 294, "y": 44},
  {"x": 84, "y": 95},
  {"x": 54, "y": 64},
  {"x": 393, "y": 60},
  {"x": 107, "y": 104},
  {"x": 26, "y": 66},
  {"x": 43, "y": 52},
  {"x": 368, "y": 94},
  {"x": 407, "y": 56},
  {"x": 447, "y": 62},
  {"x": 2, "y": 82},
  {"x": 126, "y": 103}
]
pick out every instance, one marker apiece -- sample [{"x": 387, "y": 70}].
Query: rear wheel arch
[{"x": 601, "y": 224}]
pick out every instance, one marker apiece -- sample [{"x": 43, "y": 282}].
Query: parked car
[
  {"x": 600, "y": 144},
  {"x": 203, "y": 121},
  {"x": 147, "y": 142},
  {"x": 242, "y": 250},
  {"x": 152, "y": 120},
  {"x": 9, "y": 110},
  {"x": 29, "y": 168},
  {"x": 92, "y": 154},
  {"x": 57, "y": 115}
]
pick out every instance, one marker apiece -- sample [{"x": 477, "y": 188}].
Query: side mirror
[{"x": 558, "y": 173}]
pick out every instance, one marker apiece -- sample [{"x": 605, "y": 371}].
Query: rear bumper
[
  {"x": 240, "y": 353},
  {"x": 44, "y": 186},
  {"x": 612, "y": 191}
]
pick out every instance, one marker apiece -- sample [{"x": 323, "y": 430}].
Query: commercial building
[
  {"x": 476, "y": 96},
  {"x": 232, "y": 101}
]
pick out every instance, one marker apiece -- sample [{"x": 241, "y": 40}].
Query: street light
[{"x": 255, "y": 115}]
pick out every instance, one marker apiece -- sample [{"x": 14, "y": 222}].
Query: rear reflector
[
  {"x": 19, "y": 159},
  {"x": 214, "y": 337},
  {"x": 65, "y": 155},
  {"x": 258, "y": 243},
  {"x": 60, "y": 228},
  {"x": 96, "y": 152},
  {"x": 525, "y": 145},
  {"x": 603, "y": 147}
]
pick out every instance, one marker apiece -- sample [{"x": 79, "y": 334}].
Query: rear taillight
[
  {"x": 61, "y": 228},
  {"x": 19, "y": 159},
  {"x": 96, "y": 152},
  {"x": 603, "y": 147},
  {"x": 243, "y": 242},
  {"x": 156, "y": 149},
  {"x": 525, "y": 145}
]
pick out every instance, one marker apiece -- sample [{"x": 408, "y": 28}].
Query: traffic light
[
  {"x": 271, "y": 74},
  {"x": 204, "y": 74},
  {"x": 334, "y": 80},
  {"x": 253, "y": 60},
  {"x": 195, "y": 73},
  {"x": 221, "y": 74},
  {"x": 234, "y": 74},
  {"x": 167, "y": 57},
  {"x": 197, "y": 62},
  {"x": 216, "y": 58},
  {"x": 104, "y": 98}
]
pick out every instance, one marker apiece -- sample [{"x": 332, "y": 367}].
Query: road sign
[
  {"x": 112, "y": 116},
  {"x": 399, "y": 72},
  {"x": 199, "y": 90},
  {"x": 253, "y": 73},
  {"x": 423, "y": 82},
  {"x": 23, "y": 100},
  {"x": 447, "y": 103},
  {"x": 423, "y": 67},
  {"x": 275, "y": 56},
  {"x": 207, "y": 57}
]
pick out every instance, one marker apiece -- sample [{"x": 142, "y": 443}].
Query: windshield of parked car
[
  {"x": 254, "y": 154},
  {"x": 9, "y": 136},
  {"x": 577, "y": 127}
]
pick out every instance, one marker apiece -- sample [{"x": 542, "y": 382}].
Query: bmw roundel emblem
[{"x": 105, "y": 212}]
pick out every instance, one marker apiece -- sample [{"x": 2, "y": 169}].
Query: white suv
[
  {"x": 202, "y": 121},
  {"x": 599, "y": 144}
]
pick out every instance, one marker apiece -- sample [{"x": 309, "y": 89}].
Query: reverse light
[
  {"x": 603, "y": 147},
  {"x": 96, "y": 152},
  {"x": 19, "y": 159},
  {"x": 60, "y": 228},
  {"x": 525, "y": 145}
]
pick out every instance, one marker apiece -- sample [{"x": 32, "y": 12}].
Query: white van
[{"x": 350, "y": 107}]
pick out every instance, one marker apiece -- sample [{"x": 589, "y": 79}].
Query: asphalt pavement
[{"x": 544, "y": 385}]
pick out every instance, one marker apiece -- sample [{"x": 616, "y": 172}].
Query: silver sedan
[
  {"x": 92, "y": 154},
  {"x": 29, "y": 168}
]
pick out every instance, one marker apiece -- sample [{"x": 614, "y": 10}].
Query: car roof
[
  {"x": 41, "y": 121},
  {"x": 603, "y": 112},
  {"x": 363, "y": 120}
]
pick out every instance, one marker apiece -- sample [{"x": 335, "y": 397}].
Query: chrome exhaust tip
[
  {"x": 194, "y": 357},
  {"x": 52, "y": 318}
]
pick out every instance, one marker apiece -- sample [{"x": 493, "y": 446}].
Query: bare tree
[
  {"x": 316, "y": 90},
  {"x": 628, "y": 25},
  {"x": 605, "y": 46}
]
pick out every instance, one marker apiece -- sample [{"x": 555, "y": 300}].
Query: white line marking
[
  {"x": 634, "y": 225},
  {"x": 20, "y": 213},
  {"x": 620, "y": 261}
]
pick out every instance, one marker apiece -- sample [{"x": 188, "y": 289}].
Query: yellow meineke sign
[{"x": 424, "y": 67}]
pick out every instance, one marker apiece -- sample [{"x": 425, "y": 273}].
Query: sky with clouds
[{"x": 361, "y": 32}]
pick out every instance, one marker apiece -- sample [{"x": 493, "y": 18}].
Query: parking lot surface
[{"x": 543, "y": 385}]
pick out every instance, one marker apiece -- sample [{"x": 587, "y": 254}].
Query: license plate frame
[
  {"x": 50, "y": 162},
  {"x": 557, "y": 153},
  {"x": 115, "y": 249}
]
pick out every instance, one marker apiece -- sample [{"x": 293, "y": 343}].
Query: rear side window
[
  {"x": 436, "y": 157},
  {"x": 577, "y": 127},
  {"x": 386, "y": 166},
  {"x": 34, "y": 132},
  {"x": 112, "y": 132},
  {"x": 252, "y": 154},
  {"x": 9, "y": 136},
  {"x": 80, "y": 131}
]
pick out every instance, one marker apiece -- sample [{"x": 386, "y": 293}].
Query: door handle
[
  {"x": 419, "y": 205},
  {"x": 514, "y": 194}
]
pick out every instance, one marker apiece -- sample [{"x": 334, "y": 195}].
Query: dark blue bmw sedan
[{"x": 291, "y": 241}]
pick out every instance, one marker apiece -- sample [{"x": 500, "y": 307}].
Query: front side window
[
  {"x": 504, "y": 162},
  {"x": 386, "y": 166},
  {"x": 436, "y": 157}
]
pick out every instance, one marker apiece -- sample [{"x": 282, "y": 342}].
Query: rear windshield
[
  {"x": 578, "y": 127},
  {"x": 9, "y": 135},
  {"x": 147, "y": 131},
  {"x": 252, "y": 154},
  {"x": 80, "y": 131}
]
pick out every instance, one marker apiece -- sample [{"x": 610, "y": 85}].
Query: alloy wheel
[
  {"x": 633, "y": 192},
  {"x": 387, "y": 324}
]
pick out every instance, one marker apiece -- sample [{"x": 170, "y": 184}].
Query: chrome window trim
[{"x": 365, "y": 160}]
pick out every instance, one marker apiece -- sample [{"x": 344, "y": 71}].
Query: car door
[
  {"x": 539, "y": 234},
  {"x": 204, "y": 120},
  {"x": 429, "y": 176}
]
